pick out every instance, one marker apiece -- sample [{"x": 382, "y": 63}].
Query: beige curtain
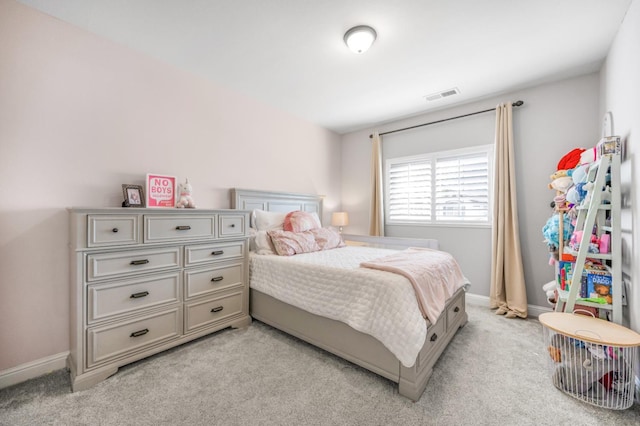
[
  {"x": 508, "y": 292},
  {"x": 376, "y": 222}
]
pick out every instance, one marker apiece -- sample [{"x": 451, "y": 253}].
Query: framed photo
[
  {"x": 161, "y": 190},
  {"x": 133, "y": 195}
]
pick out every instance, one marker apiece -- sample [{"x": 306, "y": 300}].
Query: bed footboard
[{"x": 359, "y": 348}]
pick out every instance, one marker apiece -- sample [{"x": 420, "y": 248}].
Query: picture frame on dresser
[
  {"x": 161, "y": 190},
  {"x": 133, "y": 195}
]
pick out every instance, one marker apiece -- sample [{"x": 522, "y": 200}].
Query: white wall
[
  {"x": 555, "y": 118},
  {"x": 620, "y": 82},
  {"x": 79, "y": 116}
]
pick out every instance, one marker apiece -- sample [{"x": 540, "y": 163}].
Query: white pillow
[
  {"x": 252, "y": 239},
  {"x": 263, "y": 243},
  {"x": 266, "y": 221}
]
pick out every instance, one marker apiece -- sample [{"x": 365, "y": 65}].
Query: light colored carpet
[{"x": 494, "y": 372}]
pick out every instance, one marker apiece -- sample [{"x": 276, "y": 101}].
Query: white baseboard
[
  {"x": 533, "y": 310},
  {"x": 31, "y": 370}
]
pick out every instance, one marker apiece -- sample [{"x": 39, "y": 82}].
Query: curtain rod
[{"x": 515, "y": 104}]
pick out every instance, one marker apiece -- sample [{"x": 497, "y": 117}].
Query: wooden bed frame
[{"x": 337, "y": 337}]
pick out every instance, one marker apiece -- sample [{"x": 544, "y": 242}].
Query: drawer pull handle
[
  {"x": 217, "y": 309},
  {"x": 139, "y": 295},
  {"x": 114, "y": 230},
  {"x": 233, "y": 225},
  {"x": 456, "y": 309},
  {"x": 434, "y": 337},
  {"x": 183, "y": 228},
  {"x": 217, "y": 252},
  {"x": 214, "y": 279},
  {"x": 139, "y": 333},
  {"x": 139, "y": 262}
]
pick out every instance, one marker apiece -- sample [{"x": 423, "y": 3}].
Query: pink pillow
[
  {"x": 288, "y": 243},
  {"x": 327, "y": 238},
  {"x": 299, "y": 221}
]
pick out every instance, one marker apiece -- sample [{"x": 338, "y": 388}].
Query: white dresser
[{"x": 145, "y": 280}]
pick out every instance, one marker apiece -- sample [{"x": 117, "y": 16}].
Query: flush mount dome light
[{"x": 360, "y": 38}]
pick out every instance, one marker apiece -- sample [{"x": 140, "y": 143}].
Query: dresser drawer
[
  {"x": 207, "y": 253},
  {"x": 199, "y": 282},
  {"x": 455, "y": 309},
  {"x": 231, "y": 226},
  {"x": 173, "y": 228},
  {"x": 435, "y": 332},
  {"x": 122, "y": 263},
  {"x": 122, "y": 297},
  {"x": 108, "y": 342},
  {"x": 212, "y": 311},
  {"x": 112, "y": 230}
]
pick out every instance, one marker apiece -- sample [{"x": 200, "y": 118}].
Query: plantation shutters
[
  {"x": 462, "y": 188},
  {"x": 443, "y": 187},
  {"x": 409, "y": 197}
]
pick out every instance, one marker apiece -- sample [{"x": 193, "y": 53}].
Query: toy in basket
[{"x": 591, "y": 359}]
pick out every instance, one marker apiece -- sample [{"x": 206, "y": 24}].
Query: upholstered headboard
[{"x": 248, "y": 199}]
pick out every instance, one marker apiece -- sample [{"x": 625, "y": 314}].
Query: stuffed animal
[
  {"x": 576, "y": 193},
  {"x": 570, "y": 159},
  {"x": 605, "y": 198},
  {"x": 551, "y": 230},
  {"x": 185, "y": 196},
  {"x": 579, "y": 174},
  {"x": 588, "y": 187},
  {"x": 591, "y": 372},
  {"x": 560, "y": 181},
  {"x": 579, "y": 368},
  {"x": 550, "y": 290}
]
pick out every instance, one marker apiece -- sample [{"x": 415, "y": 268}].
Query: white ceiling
[{"x": 290, "y": 53}]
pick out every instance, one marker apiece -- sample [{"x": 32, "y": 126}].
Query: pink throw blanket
[{"x": 435, "y": 276}]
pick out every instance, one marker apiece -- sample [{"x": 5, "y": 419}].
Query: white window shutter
[
  {"x": 409, "y": 191},
  {"x": 462, "y": 188},
  {"x": 440, "y": 187}
]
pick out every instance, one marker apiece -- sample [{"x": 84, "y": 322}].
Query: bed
[{"x": 336, "y": 336}]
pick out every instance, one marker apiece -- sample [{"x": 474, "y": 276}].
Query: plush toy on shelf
[
  {"x": 589, "y": 188},
  {"x": 550, "y": 291},
  {"x": 551, "y": 230},
  {"x": 560, "y": 181},
  {"x": 185, "y": 196}
]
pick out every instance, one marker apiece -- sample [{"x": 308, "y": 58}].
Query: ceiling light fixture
[{"x": 360, "y": 38}]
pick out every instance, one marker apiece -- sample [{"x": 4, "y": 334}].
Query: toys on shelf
[
  {"x": 597, "y": 244},
  {"x": 583, "y": 233}
]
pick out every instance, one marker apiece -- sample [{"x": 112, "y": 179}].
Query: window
[{"x": 440, "y": 188}]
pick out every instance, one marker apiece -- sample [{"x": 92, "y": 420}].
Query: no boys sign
[{"x": 161, "y": 190}]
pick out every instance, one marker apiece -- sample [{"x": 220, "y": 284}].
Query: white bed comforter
[{"x": 331, "y": 284}]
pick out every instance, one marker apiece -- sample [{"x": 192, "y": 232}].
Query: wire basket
[{"x": 591, "y": 359}]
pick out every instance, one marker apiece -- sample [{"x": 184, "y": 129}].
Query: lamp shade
[
  {"x": 360, "y": 38},
  {"x": 340, "y": 219}
]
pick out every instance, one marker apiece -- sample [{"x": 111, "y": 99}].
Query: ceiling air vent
[{"x": 443, "y": 94}]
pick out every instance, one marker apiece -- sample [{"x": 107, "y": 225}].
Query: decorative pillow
[
  {"x": 266, "y": 221},
  {"x": 327, "y": 238},
  {"x": 288, "y": 243},
  {"x": 300, "y": 221},
  {"x": 262, "y": 243}
]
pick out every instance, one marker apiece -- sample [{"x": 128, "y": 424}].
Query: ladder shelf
[{"x": 597, "y": 217}]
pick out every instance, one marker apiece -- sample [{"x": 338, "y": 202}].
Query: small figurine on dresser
[{"x": 185, "y": 199}]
